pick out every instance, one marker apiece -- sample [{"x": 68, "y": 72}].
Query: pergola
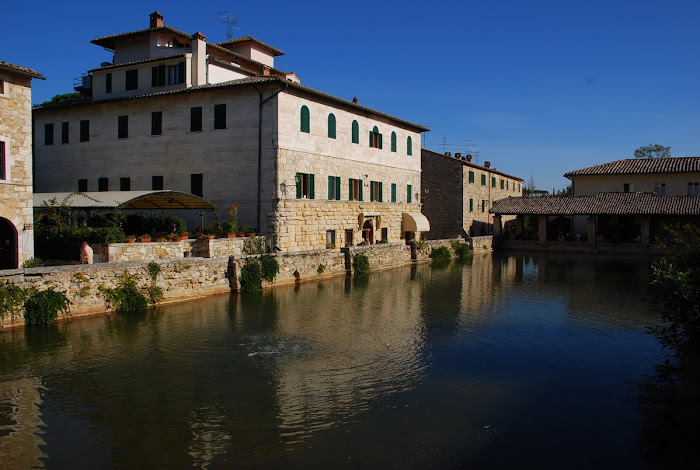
[{"x": 149, "y": 200}]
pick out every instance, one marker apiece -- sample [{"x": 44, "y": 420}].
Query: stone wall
[
  {"x": 380, "y": 256},
  {"x": 484, "y": 243}
]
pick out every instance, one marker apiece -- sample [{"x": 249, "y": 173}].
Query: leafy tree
[
  {"x": 64, "y": 98},
  {"x": 653, "y": 151}
]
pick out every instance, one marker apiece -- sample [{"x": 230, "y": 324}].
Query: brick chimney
[
  {"x": 448, "y": 154},
  {"x": 487, "y": 164},
  {"x": 469, "y": 158},
  {"x": 199, "y": 59},
  {"x": 156, "y": 20},
  {"x": 458, "y": 155}
]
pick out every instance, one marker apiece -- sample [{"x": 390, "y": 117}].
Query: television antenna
[{"x": 229, "y": 20}]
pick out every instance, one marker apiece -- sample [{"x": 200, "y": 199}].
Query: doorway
[
  {"x": 8, "y": 245},
  {"x": 368, "y": 232}
]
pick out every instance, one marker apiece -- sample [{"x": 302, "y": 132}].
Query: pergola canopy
[{"x": 125, "y": 200}]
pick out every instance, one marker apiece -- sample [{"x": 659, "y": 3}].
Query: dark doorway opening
[{"x": 8, "y": 245}]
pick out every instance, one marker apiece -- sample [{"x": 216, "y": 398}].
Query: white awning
[
  {"x": 125, "y": 199},
  {"x": 415, "y": 222}
]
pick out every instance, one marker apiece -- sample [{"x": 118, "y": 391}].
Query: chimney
[
  {"x": 469, "y": 158},
  {"x": 199, "y": 59},
  {"x": 458, "y": 155},
  {"x": 487, "y": 164},
  {"x": 156, "y": 20},
  {"x": 448, "y": 154},
  {"x": 355, "y": 100}
]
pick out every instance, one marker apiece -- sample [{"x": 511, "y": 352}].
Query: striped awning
[{"x": 125, "y": 200}]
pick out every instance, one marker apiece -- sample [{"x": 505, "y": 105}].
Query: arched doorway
[
  {"x": 368, "y": 232},
  {"x": 8, "y": 245}
]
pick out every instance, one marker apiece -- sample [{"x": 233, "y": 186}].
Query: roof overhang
[
  {"x": 414, "y": 222},
  {"x": 125, "y": 200}
]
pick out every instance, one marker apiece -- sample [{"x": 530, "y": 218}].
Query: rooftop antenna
[
  {"x": 229, "y": 20},
  {"x": 445, "y": 145}
]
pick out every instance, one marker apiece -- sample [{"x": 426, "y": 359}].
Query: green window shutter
[
  {"x": 393, "y": 192},
  {"x": 408, "y": 194},
  {"x": 305, "y": 120},
  {"x": 393, "y": 141},
  {"x": 330, "y": 188},
  {"x": 370, "y": 138},
  {"x": 360, "y": 190},
  {"x": 483, "y": 180},
  {"x": 502, "y": 185},
  {"x": 300, "y": 182},
  {"x": 493, "y": 181},
  {"x": 409, "y": 146},
  {"x": 350, "y": 189},
  {"x": 311, "y": 186},
  {"x": 337, "y": 188},
  {"x": 331, "y": 126},
  {"x": 355, "y": 132},
  {"x": 371, "y": 191},
  {"x": 380, "y": 191},
  {"x": 471, "y": 176},
  {"x": 380, "y": 140}
]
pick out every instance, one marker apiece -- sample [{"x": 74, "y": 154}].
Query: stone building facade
[
  {"x": 16, "y": 212},
  {"x": 287, "y": 154},
  {"x": 460, "y": 193}
]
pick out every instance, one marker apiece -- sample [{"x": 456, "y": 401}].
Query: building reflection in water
[{"x": 21, "y": 426}]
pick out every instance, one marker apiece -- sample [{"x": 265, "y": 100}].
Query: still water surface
[{"x": 508, "y": 361}]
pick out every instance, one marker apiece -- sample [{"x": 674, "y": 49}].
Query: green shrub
[
  {"x": 128, "y": 296},
  {"x": 64, "y": 242},
  {"x": 269, "y": 267},
  {"x": 360, "y": 263},
  {"x": 137, "y": 223},
  {"x": 461, "y": 250},
  {"x": 440, "y": 254},
  {"x": 43, "y": 307},
  {"x": 251, "y": 276},
  {"x": 32, "y": 263},
  {"x": 153, "y": 270},
  {"x": 321, "y": 268},
  {"x": 154, "y": 294},
  {"x": 11, "y": 299}
]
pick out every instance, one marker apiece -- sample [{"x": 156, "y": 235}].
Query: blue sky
[{"x": 536, "y": 87}]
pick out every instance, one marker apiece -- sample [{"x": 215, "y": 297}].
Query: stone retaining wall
[
  {"x": 478, "y": 243},
  {"x": 423, "y": 253},
  {"x": 383, "y": 255}
]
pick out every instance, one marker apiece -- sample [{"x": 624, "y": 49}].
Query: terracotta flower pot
[
  {"x": 145, "y": 240},
  {"x": 250, "y": 234},
  {"x": 184, "y": 235},
  {"x": 241, "y": 234},
  {"x": 231, "y": 235},
  {"x": 129, "y": 240}
]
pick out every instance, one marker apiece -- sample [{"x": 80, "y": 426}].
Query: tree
[
  {"x": 653, "y": 151},
  {"x": 64, "y": 98},
  {"x": 530, "y": 187}
]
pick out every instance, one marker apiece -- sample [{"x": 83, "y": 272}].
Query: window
[
  {"x": 65, "y": 134},
  {"x": 409, "y": 146},
  {"x": 331, "y": 126},
  {"x": 122, "y": 127},
  {"x": 393, "y": 141},
  {"x": 132, "y": 79},
  {"x": 348, "y": 237},
  {"x": 196, "y": 119},
  {"x": 156, "y": 183},
  {"x": 330, "y": 238},
  {"x": 334, "y": 188},
  {"x": 103, "y": 184},
  {"x": 305, "y": 186},
  {"x": 503, "y": 184},
  {"x": 385, "y": 234},
  {"x": 483, "y": 180},
  {"x": 507, "y": 185},
  {"x": 108, "y": 83},
  {"x": 471, "y": 176},
  {"x": 355, "y": 132},
  {"x": 628, "y": 187},
  {"x": 393, "y": 192},
  {"x": 660, "y": 189},
  {"x": 176, "y": 74},
  {"x": 197, "y": 184},
  {"x": 375, "y": 191},
  {"x": 85, "y": 130},
  {"x": 493, "y": 181},
  {"x": 483, "y": 205},
  {"x": 158, "y": 75},
  {"x": 693, "y": 189},
  {"x": 124, "y": 184},
  {"x": 375, "y": 138},
  {"x": 355, "y": 190},
  {"x": 305, "y": 120},
  {"x": 156, "y": 123},
  {"x": 82, "y": 185},
  {"x": 3, "y": 162},
  {"x": 219, "y": 116},
  {"x": 409, "y": 196},
  {"x": 48, "y": 134},
  {"x": 2, "y": 87},
  {"x": 471, "y": 205}
]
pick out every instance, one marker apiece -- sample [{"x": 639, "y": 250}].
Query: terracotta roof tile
[
  {"x": 108, "y": 41},
  {"x": 251, "y": 39},
  {"x": 137, "y": 62},
  {"x": 21, "y": 70},
  {"x": 469, "y": 164},
  {"x": 641, "y": 166},
  {"x": 604, "y": 203}
]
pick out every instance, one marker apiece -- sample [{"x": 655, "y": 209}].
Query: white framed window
[{"x": 693, "y": 189}]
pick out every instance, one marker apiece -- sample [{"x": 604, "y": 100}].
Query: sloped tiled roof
[
  {"x": 604, "y": 203},
  {"x": 469, "y": 164},
  {"x": 631, "y": 166},
  {"x": 21, "y": 70},
  {"x": 251, "y": 39},
  {"x": 137, "y": 62},
  {"x": 108, "y": 41}
]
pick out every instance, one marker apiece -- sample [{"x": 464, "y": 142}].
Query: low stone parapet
[{"x": 382, "y": 255}]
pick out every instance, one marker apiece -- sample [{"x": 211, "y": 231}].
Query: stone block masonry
[{"x": 380, "y": 256}]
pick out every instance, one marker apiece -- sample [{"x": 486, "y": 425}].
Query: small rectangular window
[
  {"x": 628, "y": 187},
  {"x": 471, "y": 205},
  {"x": 3, "y": 162},
  {"x": 197, "y": 184},
  {"x": 158, "y": 76},
  {"x": 483, "y": 205},
  {"x": 503, "y": 184},
  {"x": 305, "y": 185},
  {"x": 85, "y": 130},
  {"x": 507, "y": 185},
  {"x": 471, "y": 176},
  {"x": 493, "y": 181},
  {"x": 660, "y": 189},
  {"x": 348, "y": 237},
  {"x": 123, "y": 127},
  {"x": 483, "y": 180},
  {"x": 330, "y": 239},
  {"x": 108, "y": 83},
  {"x": 375, "y": 191},
  {"x": 409, "y": 195},
  {"x": 219, "y": 116},
  {"x": 176, "y": 74},
  {"x": 2, "y": 87},
  {"x": 334, "y": 188},
  {"x": 103, "y": 184},
  {"x": 132, "y": 79},
  {"x": 64, "y": 132},
  {"x": 375, "y": 139},
  {"x": 156, "y": 183},
  {"x": 82, "y": 185},
  {"x": 156, "y": 123},
  {"x": 385, "y": 234},
  {"x": 48, "y": 134},
  {"x": 693, "y": 189},
  {"x": 393, "y": 192},
  {"x": 354, "y": 190},
  {"x": 124, "y": 184},
  {"x": 196, "y": 119}
]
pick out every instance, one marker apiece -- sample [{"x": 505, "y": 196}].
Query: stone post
[
  {"x": 543, "y": 229},
  {"x": 591, "y": 228},
  {"x": 497, "y": 227},
  {"x": 519, "y": 225},
  {"x": 645, "y": 230}
]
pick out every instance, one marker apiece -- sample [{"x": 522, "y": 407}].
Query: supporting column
[
  {"x": 518, "y": 225},
  {"x": 497, "y": 227},
  {"x": 543, "y": 229},
  {"x": 591, "y": 229},
  {"x": 645, "y": 230}
]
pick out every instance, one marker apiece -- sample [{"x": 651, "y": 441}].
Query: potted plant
[
  {"x": 145, "y": 238},
  {"x": 184, "y": 235},
  {"x": 208, "y": 232},
  {"x": 251, "y": 232},
  {"x": 229, "y": 227},
  {"x": 130, "y": 238},
  {"x": 243, "y": 230},
  {"x": 330, "y": 246}
]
